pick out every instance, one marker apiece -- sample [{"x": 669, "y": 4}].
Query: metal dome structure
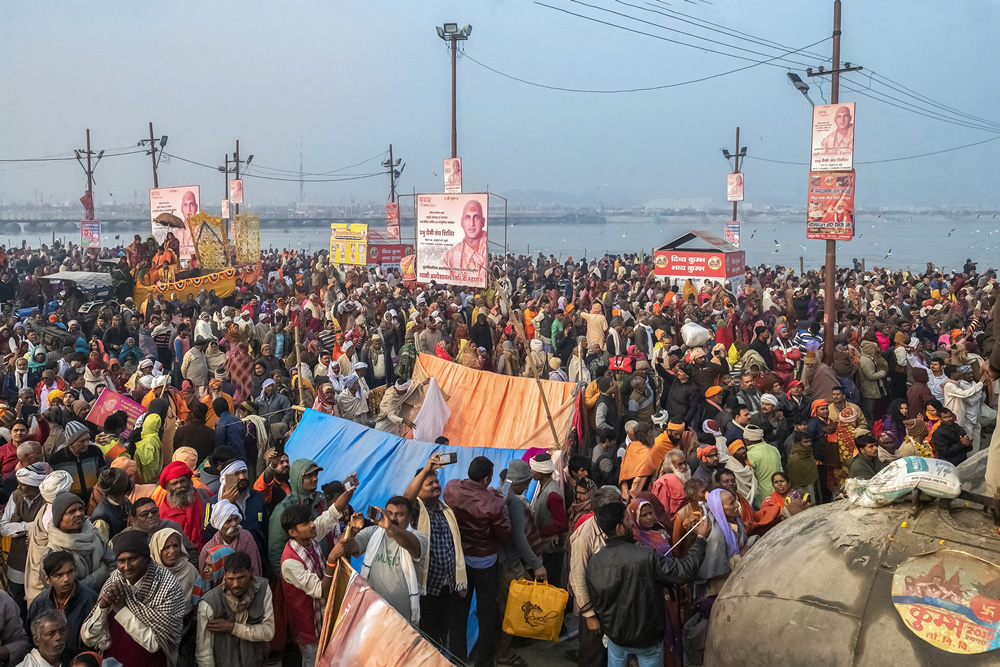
[{"x": 818, "y": 589}]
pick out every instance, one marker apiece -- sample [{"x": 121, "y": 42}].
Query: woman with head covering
[
  {"x": 166, "y": 547},
  {"x": 326, "y": 400},
  {"x": 725, "y": 543},
  {"x": 239, "y": 368},
  {"x": 838, "y": 458},
  {"x": 39, "y": 359},
  {"x": 211, "y": 573},
  {"x": 649, "y": 522},
  {"x": 260, "y": 376}
]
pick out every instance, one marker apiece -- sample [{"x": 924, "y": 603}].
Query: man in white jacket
[{"x": 955, "y": 395}]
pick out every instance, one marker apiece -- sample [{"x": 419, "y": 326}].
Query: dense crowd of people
[{"x": 711, "y": 414}]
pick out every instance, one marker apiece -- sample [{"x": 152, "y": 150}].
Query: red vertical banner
[
  {"x": 830, "y": 212},
  {"x": 392, "y": 219}
]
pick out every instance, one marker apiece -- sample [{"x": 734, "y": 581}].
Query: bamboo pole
[
  {"x": 298, "y": 367},
  {"x": 519, "y": 330}
]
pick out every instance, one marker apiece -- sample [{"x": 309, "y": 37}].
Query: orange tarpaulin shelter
[{"x": 490, "y": 410}]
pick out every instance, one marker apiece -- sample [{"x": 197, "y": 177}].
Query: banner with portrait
[
  {"x": 392, "y": 219},
  {"x": 170, "y": 209},
  {"x": 236, "y": 191},
  {"x": 349, "y": 243},
  {"x": 734, "y": 187},
  {"x": 453, "y": 239},
  {"x": 732, "y": 232},
  {"x": 833, "y": 137},
  {"x": 830, "y": 210},
  {"x": 90, "y": 234},
  {"x": 453, "y": 175}
]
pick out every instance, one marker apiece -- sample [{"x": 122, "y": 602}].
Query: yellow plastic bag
[{"x": 534, "y": 610}]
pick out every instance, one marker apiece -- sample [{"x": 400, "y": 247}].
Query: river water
[{"x": 913, "y": 240}]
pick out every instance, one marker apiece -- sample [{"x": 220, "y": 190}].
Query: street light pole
[
  {"x": 736, "y": 169},
  {"x": 830, "y": 264},
  {"x": 451, "y": 33}
]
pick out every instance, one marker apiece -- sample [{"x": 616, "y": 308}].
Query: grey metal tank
[{"x": 816, "y": 590}]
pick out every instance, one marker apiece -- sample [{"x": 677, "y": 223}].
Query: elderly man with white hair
[
  {"x": 236, "y": 489},
  {"x": 669, "y": 487},
  {"x": 226, "y": 520},
  {"x": 350, "y": 402}
]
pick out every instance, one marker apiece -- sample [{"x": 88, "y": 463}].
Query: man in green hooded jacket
[{"x": 304, "y": 480}]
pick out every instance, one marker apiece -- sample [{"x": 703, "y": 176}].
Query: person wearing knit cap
[
  {"x": 81, "y": 459},
  {"x": 737, "y": 463},
  {"x": 549, "y": 507},
  {"x": 764, "y": 458},
  {"x": 110, "y": 517},
  {"x": 71, "y": 530},
  {"x": 149, "y": 632},
  {"x": 182, "y": 504}
]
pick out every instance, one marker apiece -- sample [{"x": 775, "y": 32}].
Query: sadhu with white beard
[{"x": 669, "y": 488}]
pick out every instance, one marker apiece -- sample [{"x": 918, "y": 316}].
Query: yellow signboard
[{"x": 349, "y": 243}]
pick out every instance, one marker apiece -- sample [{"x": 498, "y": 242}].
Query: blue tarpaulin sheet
[{"x": 385, "y": 463}]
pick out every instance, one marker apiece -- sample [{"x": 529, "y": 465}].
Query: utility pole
[
  {"x": 394, "y": 173},
  {"x": 238, "y": 162},
  {"x": 153, "y": 150},
  {"x": 740, "y": 153},
  {"x": 830, "y": 267},
  {"x": 88, "y": 198},
  {"x": 225, "y": 171},
  {"x": 450, "y": 32}
]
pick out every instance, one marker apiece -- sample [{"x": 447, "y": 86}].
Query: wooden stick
[
  {"x": 519, "y": 330},
  {"x": 298, "y": 367}
]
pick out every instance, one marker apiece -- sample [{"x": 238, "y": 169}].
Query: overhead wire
[
  {"x": 642, "y": 89},
  {"x": 378, "y": 155},
  {"x": 769, "y": 61},
  {"x": 675, "y": 30},
  {"x": 885, "y": 160}
]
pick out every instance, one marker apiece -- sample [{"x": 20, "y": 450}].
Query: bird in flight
[
  {"x": 952, "y": 229},
  {"x": 803, "y": 247},
  {"x": 753, "y": 233},
  {"x": 888, "y": 254}
]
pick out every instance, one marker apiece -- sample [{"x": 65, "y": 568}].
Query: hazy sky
[{"x": 348, "y": 78}]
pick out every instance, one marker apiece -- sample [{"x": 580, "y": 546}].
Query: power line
[
  {"x": 886, "y": 81},
  {"x": 891, "y": 159},
  {"x": 325, "y": 173},
  {"x": 64, "y": 159},
  {"x": 675, "y": 30},
  {"x": 275, "y": 178},
  {"x": 655, "y": 36},
  {"x": 632, "y": 90},
  {"x": 885, "y": 98},
  {"x": 725, "y": 30}
]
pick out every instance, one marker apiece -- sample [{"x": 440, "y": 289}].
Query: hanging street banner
[
  {"x": 392, "y": 219},
  {"x": 236, "y": 191},
  {"x": 833, "y": 137},
  {"x": 225, "y": 209},
  {"x": 170, "y": 209},
  {"x": 734, "y": 187},
  {"x": 830, "y": 212},
  {"x": 732, "y": 233},
  {"x": 348, "y": 243},
  {"x": 453, "y": 175},
  {"x": 90, "y": 234},
  {"x": 452, "y": 239}
]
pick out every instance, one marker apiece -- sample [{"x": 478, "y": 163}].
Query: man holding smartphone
[
  {"x": 442, "y": 576},
  {"x": 392, "y": 552}
]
